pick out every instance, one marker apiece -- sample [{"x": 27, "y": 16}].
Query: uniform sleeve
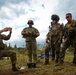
[
  {"x": 36, "y": 34},
  {"x": 74, "y": 23},
  {"x": 47, "y": 35},
  {"x": 72, "y": 30},
  {"x": 47, "y": 38},
  {"x": 23, "y": 33},
  {"x": 5, "y": 37}
]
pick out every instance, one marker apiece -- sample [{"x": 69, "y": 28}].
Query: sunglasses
[{"x": 67, "y": 16}]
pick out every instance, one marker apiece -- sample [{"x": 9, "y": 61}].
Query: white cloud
[
  {"x": 18, "y": 20},
  {"x": 16, "y": 14}
]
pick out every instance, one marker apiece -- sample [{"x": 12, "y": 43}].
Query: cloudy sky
[{"x": 16, "y": 13}]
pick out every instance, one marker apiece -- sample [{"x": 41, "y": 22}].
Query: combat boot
[{"x": 14, "y": 68}]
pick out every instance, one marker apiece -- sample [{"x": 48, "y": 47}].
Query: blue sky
[{"x": 16, "y": 13}]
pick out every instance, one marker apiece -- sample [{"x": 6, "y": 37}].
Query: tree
[{"x": 15, "y": 47}]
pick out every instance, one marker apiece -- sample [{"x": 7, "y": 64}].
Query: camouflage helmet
[
  {"x": 30, "y": 22},
  {"x": 55, "y": 17}
]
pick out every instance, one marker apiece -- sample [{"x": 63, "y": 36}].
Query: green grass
[{"x": 51, "y": 69}]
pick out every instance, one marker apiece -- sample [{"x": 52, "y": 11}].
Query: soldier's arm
[
  {"x": 74, "y": 23},
  {"x": 4, "y": 30},
  {"x": 24, "y": 33},
  {"x": 48, "y": 38},
  {"x": 73, "y": 26},
  {"x": 7, "y": 37},
  {"x": 36, "y": 33}
]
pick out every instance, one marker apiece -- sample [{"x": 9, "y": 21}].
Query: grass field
[{"x": 66, "y": 69}]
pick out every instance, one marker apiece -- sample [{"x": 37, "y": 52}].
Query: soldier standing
[
  {"x": 31, "y": 33},
  {"x": 54, "y": 39},
  {"x": 6, "y": 53},
  {"x": 70, "y": 38}
]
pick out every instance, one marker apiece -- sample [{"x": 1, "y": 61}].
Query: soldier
[
  {"x": 70, "y": 38},
  {"x": 31, "y": 33},
  {"x": 6, "y": 53},
  {"x": 54, "y": 38}
]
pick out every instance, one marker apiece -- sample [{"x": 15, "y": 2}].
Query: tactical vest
[{"x": 55, "y": 32}]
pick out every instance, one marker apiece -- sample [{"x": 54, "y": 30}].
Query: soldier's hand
[
  {"x": 34, "y": 34},
  {"x": 5, "y": 29},
  {"x": 10, "y": 29}
]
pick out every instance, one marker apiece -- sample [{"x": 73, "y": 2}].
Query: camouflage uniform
[
  {"x": 33, "y": 33},
  {"x": 6, "y": 53},
  {"x": 70, "y": 39},
  {"x": 55, "y": 38}
]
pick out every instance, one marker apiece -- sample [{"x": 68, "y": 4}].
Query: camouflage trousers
[
  {"x": 32, "y": 51},
  {"x": 6, "y": 53},
  {"x": 47, "y": 49},
  {"x": 55, "y": 49},
  {"x": 66, "y": 44}
]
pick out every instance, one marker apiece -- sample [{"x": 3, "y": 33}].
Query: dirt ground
[{"x": 41, "y": 69}]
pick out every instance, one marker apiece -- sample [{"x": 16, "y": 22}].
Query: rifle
[
  {"x": 57, "y": 40},
  {"x": 65, "y": 32}
]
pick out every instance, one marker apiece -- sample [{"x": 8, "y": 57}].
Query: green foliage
[
  {"x": 40, "y": 51},
  {"x": 58, "y": 69},
  {"x": 15, "y": 47},
  {"x": 41, "y": 69},
  {"x": 8, "y": 47}
]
